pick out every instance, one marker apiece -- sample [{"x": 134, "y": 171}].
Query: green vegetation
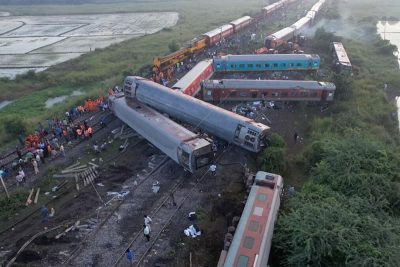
[
  {"x": 273, "y": 158},
  {"x": 347, "y": 214},
  {"x": 8, "y": 206},
  {"x": 173, "y": 46}
]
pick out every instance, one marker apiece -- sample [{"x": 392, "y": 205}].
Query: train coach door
[
  {"x": 184, "y": 158},
  {"x": 240, "y": 134}
]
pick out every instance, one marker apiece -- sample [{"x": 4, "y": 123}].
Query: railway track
[
  {"x": 76, "y": 252},
  {"x": 159, "y": 224},
  {"x": 71, "y": 188}
]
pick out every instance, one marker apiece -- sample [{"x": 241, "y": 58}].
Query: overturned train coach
[
  {"x": 257, "y": 90},
  {"x": 181, "y": 145},
  {"x": 219, "y": 122},
  {"x": 251, "y": 243}
]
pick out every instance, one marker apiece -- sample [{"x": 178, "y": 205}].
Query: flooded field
[
  {"x": 37, "y": 42},
  {"x": 390, "y": 30}
]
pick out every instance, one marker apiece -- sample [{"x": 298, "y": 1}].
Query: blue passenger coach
[{"x": 267, "y": 62}]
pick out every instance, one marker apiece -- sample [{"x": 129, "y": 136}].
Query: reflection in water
[
  {"x": 4, "y": 103},
  {"x": 390, "y": 30},
  {"x": 55, "y": 100}
]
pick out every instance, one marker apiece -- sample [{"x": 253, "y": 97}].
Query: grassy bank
[{"x": 347, "y": 214}]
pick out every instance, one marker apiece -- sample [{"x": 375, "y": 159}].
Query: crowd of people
[{"x": 48, "y": 142}]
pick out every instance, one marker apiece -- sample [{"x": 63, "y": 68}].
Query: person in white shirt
[{"x": 147, "y": 221}]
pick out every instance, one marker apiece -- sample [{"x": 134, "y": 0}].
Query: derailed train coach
[
  {"x": 183, "y": 146},
  {"x": 218, "y": 91},
  {"x": 267, "y": 62},
  {"x": 214, "y": 120},
  {"x": 283, "y": 36},
  {"x": 251, "y": 243}
]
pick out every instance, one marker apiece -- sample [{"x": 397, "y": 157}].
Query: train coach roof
[
  {"x": 271, "y": 6},
  {"x": 240, "y": 20},
  {"x": 341, "y": 53},
  {"x": 318, "y": 5},
  {"x": 283, "y": 33},
  {"x": 136, "y": 111},
  {"x": 192, "y": 74},
  {"x": 218, "y": 30},
  {"x": 301, "y": 23},
  {"x": 267, "y": 57},
  {"x": 253, "y": 222},
  {"x": 268, "y": 84}
]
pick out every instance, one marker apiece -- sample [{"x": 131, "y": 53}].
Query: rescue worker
[
  {"x": 213, "y": 169},
  {"x": 147, "y": 221},
  {"x": 90, "y": 131},
  {"x": 130, "y": 256},
  {"x": 146, "y": 232}
]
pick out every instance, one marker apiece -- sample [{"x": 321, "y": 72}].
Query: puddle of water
[
  {"x": 390, "y": 30},
  {"x": 77, "y": 93},
  {"x": 4, "y": 103},
  {"x": 55, "y": 100},
  {"x": 58, "y": 99}
]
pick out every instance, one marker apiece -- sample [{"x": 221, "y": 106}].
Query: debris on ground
[{"x": 192, "y": 231}]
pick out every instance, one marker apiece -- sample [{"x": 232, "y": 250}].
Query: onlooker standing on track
[
  {"x": 213, "y": 169},
  {"x": 35, "y": 166},
  {"x": 146, "y": 232},
  {"x": 130, "y": 256},
  {"x": 44, "y": 214},
  {"x": 147, "y": 221},
  {"x": 62, "y": 151}
]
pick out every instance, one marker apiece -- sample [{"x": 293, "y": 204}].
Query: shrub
[
  {"x": 13, "y": 125},
  {"x": 173, "y": 46}
]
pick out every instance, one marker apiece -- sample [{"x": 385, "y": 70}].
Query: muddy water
[
  {"x": 390, "y": 30},
  {"x": 58, "y": 99},
  {"x": 4, "y": 103}
]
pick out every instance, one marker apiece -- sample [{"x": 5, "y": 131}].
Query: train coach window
[
  {"x": 248, "y": 242},
  {"x": 253, "y": 226},
  {"x": 262, "y": 197},
  {"x": 218, "y": 66},
  {"x": 276, "y": 94},
  {"x": 284, "y": 94},
  {"x": 298, "y": 64},
  {"x": 314, "y": 94},
  {"x": 283, "y": 65},
  {"x": 243, "y": 94},
  {"x": 258, "y": 66},
  {"x": 275, "y": 65},
  {"x": 242, "y": 261},
  {"x": 264, "y": 94},
  {"x": 291, "y": 64},
  {"x": 241, "y": 65},
  {"x": 249, "y": 65},
  {"x": 233, "y": 66},
  {"x": 267, "y": 65},
  {"x": 304, "y": 93},
  {"x": 293, "y": 94},
  {"x": 254, "y": 94},
  {"x": 232, "y": 93}
]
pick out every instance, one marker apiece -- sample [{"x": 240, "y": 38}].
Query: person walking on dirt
[
  {"x": 146, "y": 232},
  {"x": 35, "y": 166},
  {"x": 44, "y": 214},
  {"x": 213, "y": 169},
  {"x": 295, "y": 136},
  {"x": 172, "y": 199},
  {"x": 130, "y": 256},
  {"x": 147, "y": 221}
]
